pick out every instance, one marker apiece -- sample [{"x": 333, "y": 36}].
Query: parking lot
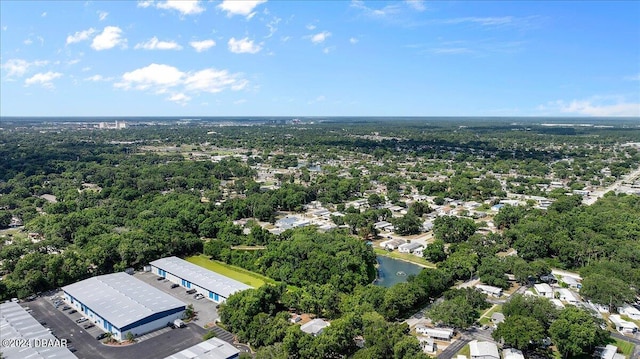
[
  {"x": 158, "y": 344},
  {"x": 206, "y": 309}
]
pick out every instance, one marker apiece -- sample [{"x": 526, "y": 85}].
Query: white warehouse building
[
  {"x": 212, "y": 285},
  {"x": 119, "y": 303},
  {"x": 17, "y": 325}
]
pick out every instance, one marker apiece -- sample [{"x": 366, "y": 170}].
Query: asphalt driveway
[{"x": 156, "y": 347}]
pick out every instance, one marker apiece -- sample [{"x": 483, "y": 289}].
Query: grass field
[
  {"x": 405, "y": 257},
  {"x": 241, "y": 275}
]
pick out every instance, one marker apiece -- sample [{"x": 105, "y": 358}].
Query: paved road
[
  {"x": 88, "y": 347},
  {"x": 595, "y": 195},
  {"x": 453, "y": 348}
]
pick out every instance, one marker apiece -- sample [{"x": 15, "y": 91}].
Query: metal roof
[
  {"x": 121, "y": 299},
  {"x": 200, "y": 276},
  {"x": 16, "y": 323},
  {"x": 315, "y": 326},
  {"x": 213, "y": 348},
  {"x": 483, "y": 349}
]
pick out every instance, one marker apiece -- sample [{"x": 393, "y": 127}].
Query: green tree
[
  {"x": 435, "y": 251},
  {"x": 575, "y": 332},
  {"x": 607, "y": 290},
  {"x": 5, "y": 219},
  {"x": 452, "y": 229},
  {"x": 519, "y": 332},
  {"x": 408, "y": 224},
  {"x": 456, "y": 312}
]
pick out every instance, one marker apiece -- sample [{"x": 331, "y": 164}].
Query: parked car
[
  {"x": 159, "y": 279},
  {"x": 175, "y": 285},
  {"x": 73, "y": 311},
  {"x": 191, "y": 291},
  {"x": 81, "y": 320},
  {"x": 66, "y": 307},
  {"x": 88, "y": 326},
  {"x": 101, "y": 336},
  {"x": 198, "y": 296},
  {"x": 72, "y": 349}
]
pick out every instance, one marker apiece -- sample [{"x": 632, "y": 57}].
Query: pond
[{"x": 392, "y": 271}]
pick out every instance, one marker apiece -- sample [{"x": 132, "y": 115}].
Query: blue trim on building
[
  {"x": 185, "y": 283},
  {"x": 152, "y": 318},
  {"x": 108, "y": 326}
]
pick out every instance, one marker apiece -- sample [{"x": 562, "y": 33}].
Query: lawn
[
  {"x": 405, "y": 257},
  {"x": 486, "y": 317},
  {"x": 241, "y": 275},
  {"x": 623, "y": 346},
  {"x": 466, "y": 351}
]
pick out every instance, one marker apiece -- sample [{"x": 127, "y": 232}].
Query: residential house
[
  {"x": 608, "y": 352},
  {"x": 497, "y": 318},
  {"x": 409, "y": 247},
  {"x": 483, "y": 350},
  {"x": 630, "y": 312},
  {"x": 428, "y": 345},
  {"x": 392, "y": 244},
  {"x": 544, "y": 290},
  {"x": 622, "y": 325},
  {"x": 444, "y": 334},
  {"x": 314, "y": 327},
  {"x": 489, "y": 290},
  {"x": 567, "y": 296}
]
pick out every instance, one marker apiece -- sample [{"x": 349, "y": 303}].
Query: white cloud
[
  {"x": 203, "y": 45},
  {"x": 240, "y": 101},
  {"x": 155, "y": 76},
  {"x": 165, "y": 79},
  {"x": 327, "y": 50},
  {"x": 320, "y": 37},
  {"x": 80, "y": 36},
  {"x": 98, "y": 78},
  {"x": 243, "y": 46},
  {"x": 19, "y": 67},
  {"x": 588, "y": 107},
  {"x": 179, "y": 98},
  {"x": 44, "y": 14},
  {"x": 236, "y": 7},
  {"x": 109, "y": 38},
  {"x": 375, "y": 13},
  {"x": 73, "y": 62},
  {"x": 185, "y": 7},
  {"x": 417, "y": 5},
  {"x": 451, "y": 50},
  {"x": 145, "y": 3},
  {"x": 213, "y": 81},
  {"x": 311, "y": 27},
  {"x": 320, "y": 98},
  {"x": 353, "y": 40},
  {"x": 484, "y": 21},
  {"x": 155, "y": 44},
  {"x": 44, "y": 79},
  {"x": 102, "y": 15},
  {"x": 28, "y": 42},
  {"x": 273, "y": 26}
]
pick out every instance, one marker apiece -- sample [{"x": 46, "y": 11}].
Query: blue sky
[{"x": 322, "y": 58}]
